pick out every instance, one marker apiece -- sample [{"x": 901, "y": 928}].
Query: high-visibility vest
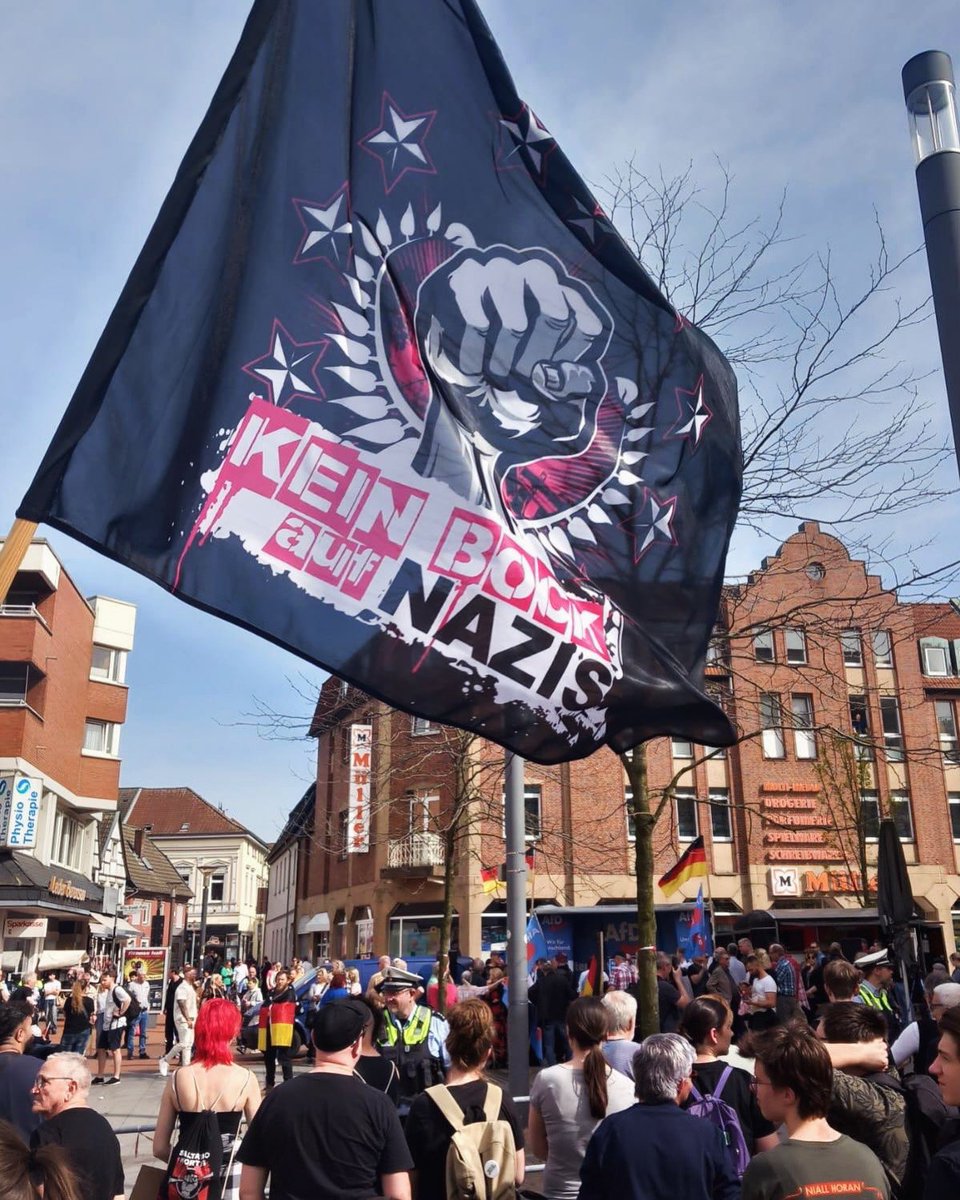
[
  {"x": 874, "y": 999},
  {"x": 413, "y": 1033}
]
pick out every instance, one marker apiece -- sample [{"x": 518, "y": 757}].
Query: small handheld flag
[{"x": 692, "y": 862}]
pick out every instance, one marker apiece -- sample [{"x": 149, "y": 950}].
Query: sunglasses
[{"x": 43, "y": 1081}]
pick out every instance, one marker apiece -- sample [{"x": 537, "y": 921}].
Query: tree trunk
[
  {"x": 446, "y": 922},
  {"x": 648, "y": 1016}
]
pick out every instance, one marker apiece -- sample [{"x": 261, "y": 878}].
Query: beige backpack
[{"x": 481, "y": 1160}]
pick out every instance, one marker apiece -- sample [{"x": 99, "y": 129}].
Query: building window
[
  {"x": 860, "y": 723},
  {"x": 852, "y": 648},
  {"x": 108, "y": 663},
  {"x": 796, "y": 643},
  {"x": 531, "y": 811},
  {"x": 218, "y": 883},
  {"x": 13, "y": 683},
  {"x": 804, "y": 738},
  {"x": 685, "y": 810},
  {"x": 421, "y": 725},
  {"x": 763, "y": 647},
  {"x": 935, "y": 657},
  {"x": 101, "y": 737},
  {"x": 947, "y": 730},
  {"x": 631, "y": 823},
  {"x": 902, "y": 815},
  {"x": 892, "y": 732},
  {"x": 67, "y": 840},
  {"x": 771, "y": 723},
  {"x": 721, "y": 827},
  {"x": 717, "y": 653},
  {"x": 953, "y": 803},
  {"x": 681, "y": 749},
  {"x": 870, "y": 815},
  {"x": 882, "y": 649}
]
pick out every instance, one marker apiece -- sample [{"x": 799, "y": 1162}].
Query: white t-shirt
[
  {"x": 113, "y": 1001},
  {"x": 185, "y": 1002},
  {"x": 141, "y": 991},
  {"x": 763, "y": 987},
  {"x": 51, "y": 988}
]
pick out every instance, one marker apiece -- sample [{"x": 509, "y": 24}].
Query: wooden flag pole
[{"x": 12, "y": 552}]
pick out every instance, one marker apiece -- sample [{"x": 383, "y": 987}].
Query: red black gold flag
[{"x": 692, "y": 862}]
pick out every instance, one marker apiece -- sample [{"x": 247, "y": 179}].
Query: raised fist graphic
[{"x": 514, "y": 346}]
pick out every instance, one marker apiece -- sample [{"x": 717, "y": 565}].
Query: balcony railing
[
  {"x": 23, "y": 610},
  {"x": 415, "y": 850}
]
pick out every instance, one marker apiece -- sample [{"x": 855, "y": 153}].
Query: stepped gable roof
[
  {"x": 150, "y": 871},
  {"x": 170, "y": 812}
]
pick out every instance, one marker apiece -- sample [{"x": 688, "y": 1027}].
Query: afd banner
[{"x": 387, "y": 387}]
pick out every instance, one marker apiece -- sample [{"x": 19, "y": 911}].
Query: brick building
[
  {"x": 847, "y": 700},
  {"x": 63, "y": 701}
]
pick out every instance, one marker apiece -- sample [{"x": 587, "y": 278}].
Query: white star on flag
[
  {"x": 694, "y": 413},
  {"x": 322, "y": 226},
  {"x": 285, "y": 365},
  {"x": 534, "y": 137},
  {"x": 653, "y": 523},
  {"x": 397, "y": 140}
]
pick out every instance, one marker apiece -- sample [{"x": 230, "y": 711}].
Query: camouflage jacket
[{"x": 874, "y": 1115}]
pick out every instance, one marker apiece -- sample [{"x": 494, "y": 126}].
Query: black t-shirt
[
  {"x": 429, "y": 1132},
  {"x": 667, "y": 997},
  {"x": 325, "y": 1137},
  {"x": 380, "y": 1073},
  {"x": 738, "y": 1093},
  {"x": 17, "y": 1074},
  {"x": 75, "y": 1023},
  {"x": 92, "y": 1147}
]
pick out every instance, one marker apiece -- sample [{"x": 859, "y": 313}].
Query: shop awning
[
  {"x": 104, "y": 929},
  {"x": 10, "y": 960},
  {"x": 318, "y": 923},
  {"x": 60, "y": 960}
]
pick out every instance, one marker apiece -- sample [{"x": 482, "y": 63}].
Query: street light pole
[
  {"x": 930, "y": 96},
  {"x": 206, "y": 872},
  {"x": 518, "y": 1028}
]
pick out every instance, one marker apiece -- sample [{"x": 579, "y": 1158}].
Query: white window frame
[
  {"x": 15, "y": 699},
  {"x": 116, "y": 668},
  {"x": 882, "y": 657},
  {"x": 686, "y": 794},
  {"x": 953, "y": 808},
  {"x": 422, "y": 726},
  {"x": 947, "y": 730},
  {"x": 680, "y": 748},
  {"x": 903, "y": 798},
  {"x": 771, "y": 738},
  {"x": 764, "y": 646},
  {"x": 109, "y": 736},
  {"x": 870, "y": 796},
  {"x": 66, "y": 825},
  {"x": 852, "y": 655},
  {"x": 628, "y": 806},
  {"x": 928, "y": 653},
  {"x": 804, "y": 734},
  {"x": 796, "y": 653},
  {"x": 719, "y": 799},
  {"x": 531, "y": 791},
  {"x": 893, "y": 746},
  {"x": 862, "y": 740},
  {"x": 218, "y": 878}
]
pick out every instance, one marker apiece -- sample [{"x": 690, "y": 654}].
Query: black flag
[{"x": 386, "y": 387}]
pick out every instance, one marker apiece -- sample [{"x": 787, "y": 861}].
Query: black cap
[{"x": 338, "y": 1024}]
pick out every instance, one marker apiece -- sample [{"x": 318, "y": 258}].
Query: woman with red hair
[{"x": 212, "y": 1082}]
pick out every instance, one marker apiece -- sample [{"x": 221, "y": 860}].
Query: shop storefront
[{"x": 415, "y": 930}]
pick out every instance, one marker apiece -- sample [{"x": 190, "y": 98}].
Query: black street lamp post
[{"x": 930, "y": 95}]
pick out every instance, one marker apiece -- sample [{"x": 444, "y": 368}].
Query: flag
[
  {"x": 701, "y": 938},
  {"x": 387, "y": 387},
  {"x": 692, "y": 862},
  {"x": 490, "y": 879},
  {"x": 536, "y": 946},
  {"x": 593, "y": 984}
]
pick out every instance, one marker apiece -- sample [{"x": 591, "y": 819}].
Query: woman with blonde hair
[
  {"x": 568, "y": 1101},
  {"x": 41, "y": 1174},
  {"x": 468, "y": 1097},
  {"x": 78, "y": 1018},
  {"x": 353, "y": 982},
  {"x": 211, "y": 1083}
]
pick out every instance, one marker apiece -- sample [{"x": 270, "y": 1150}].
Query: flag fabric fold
[
  {"x": 386, "y": 387},
  {"x": 692, "y": 862},
  {"x": 536, "y": 946}
]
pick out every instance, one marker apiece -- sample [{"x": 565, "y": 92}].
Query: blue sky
[{"x": 101, "y": 98}]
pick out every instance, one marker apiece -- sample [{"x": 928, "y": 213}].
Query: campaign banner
[
  {"x": 358, "y": 810},
  {"x": 154, "y": 962},
  {"x": 422, "y": 417}
]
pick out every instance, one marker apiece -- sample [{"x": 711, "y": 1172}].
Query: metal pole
[
  {"x": 203, "y": 914},
  {"x": 518, "y": 1029},
  {"x": 928, "y": 89}
]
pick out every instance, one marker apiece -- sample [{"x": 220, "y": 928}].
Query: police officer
[
  {"x": 414, "y": 1036},
  {"x": 876, "y": 990}
]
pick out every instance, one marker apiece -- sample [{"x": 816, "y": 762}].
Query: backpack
[
  {"x": 195, "y": 1170},
  {"x": 711, "y": 1108},
  {"x": 481, "y": 1158},
  {"x": 134, "y": 1008}
]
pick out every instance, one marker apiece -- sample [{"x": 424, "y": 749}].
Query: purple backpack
[{"x": 711, "y": 1108}]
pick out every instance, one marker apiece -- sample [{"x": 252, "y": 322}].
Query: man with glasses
[
  {"x": 60, "y": 1093},
  {"x": 793, "y": 1084}
]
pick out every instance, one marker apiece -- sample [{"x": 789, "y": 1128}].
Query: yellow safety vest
[
  {"x": 413, "y": 1033},
  {"x": 874, "y": 999}
]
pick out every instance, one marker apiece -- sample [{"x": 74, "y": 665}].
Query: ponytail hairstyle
[
  {"x": 76, "y": 995},
  {"x": 470, "y": 1039},
  {"x": 27, "y": 1174},
  {"x": 587, "y": 1025},
  {"x": 701, "y": 1016}
]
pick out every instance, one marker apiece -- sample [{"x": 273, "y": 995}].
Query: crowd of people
[{"x": 770, "y": 1079}]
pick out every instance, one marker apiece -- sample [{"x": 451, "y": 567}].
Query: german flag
[
  {"x": 593, "y": 984},
  {"x": 490, "y": 879},
  {"x": 692, "y": 862}
]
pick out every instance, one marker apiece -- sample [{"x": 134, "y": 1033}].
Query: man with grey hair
[
  {"x": 655, "y": 1150},
  {"x": 60, "y": 1095},
  {"x": 619, "y": 1048},
  {"x": 919, "y": 1040}
]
